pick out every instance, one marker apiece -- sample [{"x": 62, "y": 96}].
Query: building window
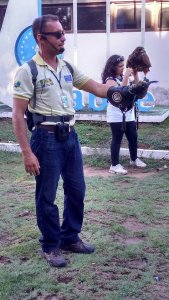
[
  {"x": 64, "y": 13},
  {"x": 163, "y": 18},
  {"x": 128, "y": 18},
  {"x": 91, "y": 17}
]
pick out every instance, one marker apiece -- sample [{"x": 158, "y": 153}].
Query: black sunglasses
[
  {"x": 120, "y": 58},
  {"x": 56, "y": 34}
]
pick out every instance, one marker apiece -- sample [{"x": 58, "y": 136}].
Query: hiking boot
[
  {"x": 138, "y": 163},
  {"x": 79, "y": 247},
  {"x": 55, "y": 258},
  {"x": 118, "y": 169}
]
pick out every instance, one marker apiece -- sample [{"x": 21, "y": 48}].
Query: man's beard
[{"x": 61, "y": 50}]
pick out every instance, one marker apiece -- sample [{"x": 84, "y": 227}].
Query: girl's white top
[{"x": 114, "y": 114}]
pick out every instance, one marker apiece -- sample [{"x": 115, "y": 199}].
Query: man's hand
[
  {"x": 128, "y": 72},
  {"x": 140, "y": 89},
  {"x": 31, "y": 163}
]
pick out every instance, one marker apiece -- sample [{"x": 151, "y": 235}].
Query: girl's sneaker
[
  {"x": 118, "y": 169},
  {"x": 138, "y": 163}
]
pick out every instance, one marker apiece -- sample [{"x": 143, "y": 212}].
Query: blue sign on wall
[
  {"x": 144, "y": 105},
  {"x": 147, "y": 103}
]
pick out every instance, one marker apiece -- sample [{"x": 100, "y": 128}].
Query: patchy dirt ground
[
  {"x": 131, "y": 240},
  {"x": 133, "y": 172}
]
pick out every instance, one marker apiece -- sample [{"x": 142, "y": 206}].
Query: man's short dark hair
[{"x": 39, "y": 24}]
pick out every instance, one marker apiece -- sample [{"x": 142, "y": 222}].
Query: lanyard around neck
[{"x": 58, "y": 79}]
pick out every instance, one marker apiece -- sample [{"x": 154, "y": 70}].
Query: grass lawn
[
  {"x": 126, "y": 218},
  {"x": 97, "y": 134}
]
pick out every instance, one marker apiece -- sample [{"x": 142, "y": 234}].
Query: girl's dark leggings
[{"x": 117, "y": 135}]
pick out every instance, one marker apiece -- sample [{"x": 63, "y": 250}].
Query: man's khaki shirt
[{"x": 51, "y": 86}]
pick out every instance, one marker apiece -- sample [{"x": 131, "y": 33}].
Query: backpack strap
[
  {"x": 34, "y": 72},
  {"x": 69, "y": 67}
]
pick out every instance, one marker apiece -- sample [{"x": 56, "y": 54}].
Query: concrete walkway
[{"x": 156, "y": 154}]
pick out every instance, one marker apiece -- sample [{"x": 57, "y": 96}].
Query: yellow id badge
[{"x": 64, "y": 101}]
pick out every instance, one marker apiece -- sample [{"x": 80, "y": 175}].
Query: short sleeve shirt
[{"x": 51, "y": 86}]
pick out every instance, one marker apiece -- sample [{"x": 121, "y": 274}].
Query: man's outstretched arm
[{"x": 96, "y": 88}]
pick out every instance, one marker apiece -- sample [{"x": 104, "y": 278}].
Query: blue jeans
[{"x": 58, "y": 158}]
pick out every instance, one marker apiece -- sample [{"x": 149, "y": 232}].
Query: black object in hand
[{"x": 124, "y": 97}]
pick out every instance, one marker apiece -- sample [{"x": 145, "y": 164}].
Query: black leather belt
[
  {"x": 37, "y": 118},
  {"x": 51, "y": 127}
]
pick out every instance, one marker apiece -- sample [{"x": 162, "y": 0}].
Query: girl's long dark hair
[{"x": 111, "y": 67}]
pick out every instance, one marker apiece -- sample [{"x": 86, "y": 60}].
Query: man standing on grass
[{"x": 54, "y": 148}]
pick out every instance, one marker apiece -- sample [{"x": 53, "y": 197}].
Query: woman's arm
[
  {"x": 127, "y": 74},
  {"x": 135, "y": 75}
]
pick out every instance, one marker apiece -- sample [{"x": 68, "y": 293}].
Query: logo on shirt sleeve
[{"x": 17, "y": 84}]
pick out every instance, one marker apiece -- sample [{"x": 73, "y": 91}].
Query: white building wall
[{"x": 91, "y": 55}]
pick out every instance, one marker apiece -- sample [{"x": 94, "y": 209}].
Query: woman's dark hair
[
  {"x": 111, "y": 67},
  {"x": 39, "y": 24}
]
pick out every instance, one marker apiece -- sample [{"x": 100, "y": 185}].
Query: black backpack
[{"x": 34, "y": 72}]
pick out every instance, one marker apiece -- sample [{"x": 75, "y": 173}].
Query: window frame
[
  {"x": 92, "y": 4},
  {"x": 62, "y": 6},
  {"x": 164, "y": 5},
  {"x": 113, "y": 17},
  {"x": 154, "y": 9}
]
